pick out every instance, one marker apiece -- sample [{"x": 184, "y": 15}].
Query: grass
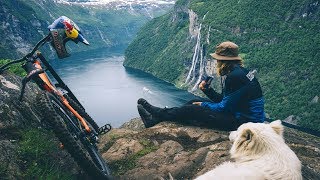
[
  {"x": 15, "y": 68},
  {"x": 39, "y": 152},
  {"x": 122, "y": 166}
]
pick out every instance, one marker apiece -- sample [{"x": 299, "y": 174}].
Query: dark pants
[{"x": 199, "y": 116}]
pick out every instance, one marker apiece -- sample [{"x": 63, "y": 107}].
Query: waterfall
[
  {"x": 201, "y": 70},
  {"x": 195, "y": 58},
  {"x": 198, "y": 58},
  {"x": 208, "y": 35},
  {"x": 102, "y": 37}
]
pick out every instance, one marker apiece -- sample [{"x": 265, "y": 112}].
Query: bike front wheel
[{"x": 74, "y": 138}]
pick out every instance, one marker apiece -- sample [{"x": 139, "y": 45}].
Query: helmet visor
[{"x": 82, "y": 39}]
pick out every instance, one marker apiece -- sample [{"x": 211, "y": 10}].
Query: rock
[
  {"x": 122, "y": 148},
  {"x": 17, "y": 118},
  {"x": 9, "y": 160},
  {"x": 164, "y": 155},
  {"x": 315, "y": 100},
  {"x": 292, "y": 119},
  {"x": 15, "y": 114},
  {"x": 217, "y": 154},
  {"x": 134, "y": 124},
  {"x": 186, "y": 152}
]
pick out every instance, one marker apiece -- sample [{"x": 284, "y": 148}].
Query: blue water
[{"x": 109, "y": 91}]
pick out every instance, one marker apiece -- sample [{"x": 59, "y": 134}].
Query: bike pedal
[{"x": 104, "y": 129}]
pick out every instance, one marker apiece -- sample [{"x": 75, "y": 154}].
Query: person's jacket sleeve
[
  {"x": 236, "y": 85},
  {"x": 212, "y": 95},
  {"x": 228, "y": 103}
]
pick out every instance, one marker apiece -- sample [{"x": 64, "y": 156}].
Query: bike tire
[
  {"x": 82, "y": 113},
  {"x": 61, "y": 120}
]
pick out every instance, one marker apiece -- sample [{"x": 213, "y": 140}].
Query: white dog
[{"x": 259, "y": 152}]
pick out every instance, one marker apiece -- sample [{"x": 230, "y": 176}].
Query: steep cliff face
[
  {"x": 161, "y": 43},
  {"x": 278, "y": 39},
  {"x": 25, "y": 22},
  {"x": 16, "y": 32}
]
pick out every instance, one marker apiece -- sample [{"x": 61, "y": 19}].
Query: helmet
[{"x": 62, "y": 30}]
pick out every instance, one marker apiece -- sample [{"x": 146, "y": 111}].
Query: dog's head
[{"x": 252, "y": 139}]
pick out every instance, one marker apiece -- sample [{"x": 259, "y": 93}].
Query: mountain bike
[{"x": 58, "y": 106}]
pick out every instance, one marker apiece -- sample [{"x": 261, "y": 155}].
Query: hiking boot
[
  {"x": 146, "y": 117},
  {"x": 152, "y": 109}
]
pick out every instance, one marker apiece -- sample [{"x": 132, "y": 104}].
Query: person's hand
[
  {"x": 202, "y": 85},
  {"x": 197, "y": 103}
]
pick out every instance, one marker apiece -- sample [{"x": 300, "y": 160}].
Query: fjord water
[{"x": 108, "y": 91}]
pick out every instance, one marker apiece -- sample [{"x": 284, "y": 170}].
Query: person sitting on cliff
[{"x": 241, "y": 99}]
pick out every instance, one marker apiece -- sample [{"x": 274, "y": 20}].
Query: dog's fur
[{"x": 259, "y": 152}]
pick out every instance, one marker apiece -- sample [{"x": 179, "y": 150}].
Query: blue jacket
[{"x": 242, "y": 96}]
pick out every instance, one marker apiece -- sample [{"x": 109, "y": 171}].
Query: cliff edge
[{"x": 185, "y": 152}]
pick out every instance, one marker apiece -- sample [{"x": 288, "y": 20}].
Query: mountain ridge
[
  {"x": 25, "y": 22},
  {"x": 278, "y": 39}
]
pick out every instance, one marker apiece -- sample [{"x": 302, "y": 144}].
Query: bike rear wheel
[{"x": 75, "y": 140}]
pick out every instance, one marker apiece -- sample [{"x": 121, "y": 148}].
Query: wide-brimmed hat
[{"x": 226, "y": 51}]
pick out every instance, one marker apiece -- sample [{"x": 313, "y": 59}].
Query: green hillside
[
  {"x": 278, "y": 38},
  {"x": 24, "y": 22}
]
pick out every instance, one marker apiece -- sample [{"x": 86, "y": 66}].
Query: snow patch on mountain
[{"x": 119, "y": 3}]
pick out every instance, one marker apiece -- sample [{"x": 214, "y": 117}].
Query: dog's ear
[
  {"x": 247, "y": 135},
  {"x": 244, "y": 140},
  {"x": 277, "y": 127}
]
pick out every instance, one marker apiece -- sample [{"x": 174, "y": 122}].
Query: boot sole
[{"x": 143, "y": 114}]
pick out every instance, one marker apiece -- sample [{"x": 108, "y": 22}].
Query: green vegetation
[
  {"x": 121, "y": 166},
  {"x": 38, "y": 151},
  {"x": 107, "y": 146},
  {"x": 157, "y": 47},
  {"x": 16, "y": 68},
  {"x": 279, "y": 38},
  {"x": 25, "y": 22}
]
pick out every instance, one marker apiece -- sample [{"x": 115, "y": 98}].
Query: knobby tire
[{"x": 56, "y": 114}]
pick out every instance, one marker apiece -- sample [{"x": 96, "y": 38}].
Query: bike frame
[
  {"x": 35, "y": 71},
  {"x": 48, "y": 86}
]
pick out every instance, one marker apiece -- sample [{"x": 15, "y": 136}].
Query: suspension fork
[{"x": 49, "y": 87}]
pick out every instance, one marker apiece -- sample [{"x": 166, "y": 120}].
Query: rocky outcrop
[
  {"x": 185, "y": 152},
  {"x": 21, "y": 135}
]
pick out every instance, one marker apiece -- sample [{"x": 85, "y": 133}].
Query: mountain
[
  {"x": 150, "y": 8},
  {"x": 279, "y": 39},
  {"x": 24, "y": 23}
]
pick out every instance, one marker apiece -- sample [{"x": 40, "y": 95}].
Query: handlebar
[{"x": 37, "y": 46}]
